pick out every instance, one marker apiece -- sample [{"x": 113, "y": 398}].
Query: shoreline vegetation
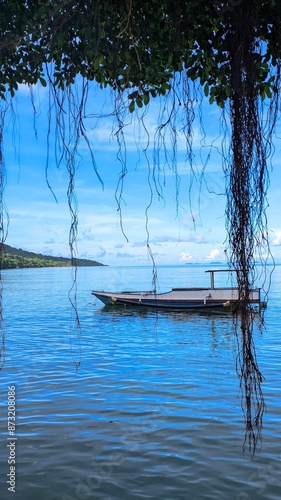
[{"x": 16, "y": 258}]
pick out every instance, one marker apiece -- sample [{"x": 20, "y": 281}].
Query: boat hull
[{"x": 179, "y": 298}]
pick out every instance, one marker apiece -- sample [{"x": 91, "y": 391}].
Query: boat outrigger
[{"x": 182, "y": 298}]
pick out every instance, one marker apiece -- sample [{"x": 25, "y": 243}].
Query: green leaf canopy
[{"x": 129, "y": 43}]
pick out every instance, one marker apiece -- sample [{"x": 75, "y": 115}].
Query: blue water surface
[{"x": 153, "y": 411}]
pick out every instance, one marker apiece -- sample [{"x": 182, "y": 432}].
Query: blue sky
[{"x": 39, "y": 223}]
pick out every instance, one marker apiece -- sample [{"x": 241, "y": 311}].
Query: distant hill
[{"x": 14, "y": 258}]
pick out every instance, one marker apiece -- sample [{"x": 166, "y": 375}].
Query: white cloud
[
  {"x": 101, "y": 252},
  {"x": 138, "y": 244},
  {"x": 277, "y": 239},
  {"x": 186, "y": 257},
  {"x": 142, "y": 128},
  {"x": 213, "y": 254},
  {"x": 87, "y": 235}
]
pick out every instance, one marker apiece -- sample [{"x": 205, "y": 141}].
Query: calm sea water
[{"x": 153, "y": 411}]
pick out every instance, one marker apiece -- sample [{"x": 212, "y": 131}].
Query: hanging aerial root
[
  {"x": 247, "y": 183},
  {"x": 3, "y": 231}
]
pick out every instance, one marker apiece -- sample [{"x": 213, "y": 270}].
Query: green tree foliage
[
  {"x": 132, "y": 44},
  {"x": 14, "y": 258}
]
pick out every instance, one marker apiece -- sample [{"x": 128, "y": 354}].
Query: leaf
[
  {"x": 268, "y": 91},
  {"x": 132, "y": 107},
  {"x": 43, "y": 81},
  {"x": 139, "y": 102},
  {"x": 145, "y": 98},
  {"x": 96, "y": 64},
  {"x": 206, "y": 89},
  {"x": 133, "y": 95}
]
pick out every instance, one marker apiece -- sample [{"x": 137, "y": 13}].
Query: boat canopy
[{"x": 212, "y": 277}]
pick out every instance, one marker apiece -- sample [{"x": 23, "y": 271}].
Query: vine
[{"x": 4, "y": 221}]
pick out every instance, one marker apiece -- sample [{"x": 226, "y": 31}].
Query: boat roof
[{"x": 221, "y": 270}]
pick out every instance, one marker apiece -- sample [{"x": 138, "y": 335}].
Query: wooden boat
[{"x": 181, "y": 298}]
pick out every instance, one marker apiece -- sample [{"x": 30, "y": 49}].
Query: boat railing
[{"x": 212, "y": 277}]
